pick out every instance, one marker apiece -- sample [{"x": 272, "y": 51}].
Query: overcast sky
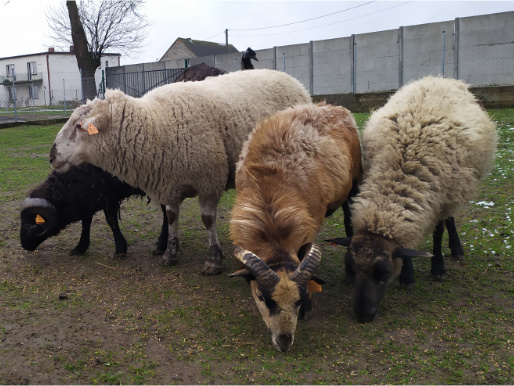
[{"x": 256, "y": 24}]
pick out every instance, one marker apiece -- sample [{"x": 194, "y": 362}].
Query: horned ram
[{"x": 296, "y": 167}]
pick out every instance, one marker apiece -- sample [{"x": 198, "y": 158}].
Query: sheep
[
  {"x": 296, "y": 167},
  {"x": 198, "y": 72},
  {"x": 424, "y": 152},
  {"x": 179, "y": 140},
  {"x": 64, "y": 198},
  {"x": 246, "y": 62}
]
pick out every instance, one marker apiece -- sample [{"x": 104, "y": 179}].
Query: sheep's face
[
  {"x": 279, "y": 308},
  {"x": 372, "y": 262},
  {"x": 72, "y": 143},
  {"x": 280, "y": 292}
]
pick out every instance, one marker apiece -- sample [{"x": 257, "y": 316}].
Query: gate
[{"x": 137, "y": 84}]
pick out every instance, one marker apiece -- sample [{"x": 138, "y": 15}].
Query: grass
[{"x": 131, "y": 321}]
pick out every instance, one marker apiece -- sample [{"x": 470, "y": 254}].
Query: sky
[{"x": 255, "y": 24}]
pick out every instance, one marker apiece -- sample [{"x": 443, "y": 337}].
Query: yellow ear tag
[
  {"x": 39, "y": 219},
  {"x": 312, "y": 286},
  {"x": 91, "y": 129}
]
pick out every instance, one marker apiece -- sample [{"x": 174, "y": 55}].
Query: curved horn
[
  {"x": 257, "y": 267},
  {"x": 308, "y": 265},
  {"x": 30, "y": 208}
]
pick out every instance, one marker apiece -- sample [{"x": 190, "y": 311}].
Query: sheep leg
[
  {"x": 348, "y": 227},
  {"x": 111, "y": 216},
  {"x": 209, "y": 206},
  {"x": 437, "y": 270},
  {"x": 162, "y": 242},
  {"x": 407, "y": 274},
  {"x": 454, "y": 244},
  {"x": 170, "y": 255},
  {"x": 84, "y": 241}
]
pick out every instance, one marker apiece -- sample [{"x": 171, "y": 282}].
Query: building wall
[
  {"x": 177, "y": 51},
  {"x": 58, "y": 78}
]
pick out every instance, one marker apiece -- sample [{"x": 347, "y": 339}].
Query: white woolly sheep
[
  {"x": 296, "y": 167},
  {"x": 179, "y": 140},
  {"x": 424, "y": 152}
]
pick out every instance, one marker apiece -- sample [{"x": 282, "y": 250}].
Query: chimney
[
  {"x": 72, "y": 48},
  {"x": 51, "y": 49}
]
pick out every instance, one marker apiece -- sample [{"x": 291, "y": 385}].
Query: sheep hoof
[
  {"x": 458, "y": 257},
  {"x": 212, "y": 267},
  {"x": 158, "y": 252},
  {"x": 438, "y": 277},
  {"x": 75, "y": 252},
  {"x": 120, "y": 255},
  {"x": 407, "y": 286},
  {"x": 169, "y": 261}
]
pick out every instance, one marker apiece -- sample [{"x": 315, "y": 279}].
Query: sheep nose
[{"x": 284, "y": 342}]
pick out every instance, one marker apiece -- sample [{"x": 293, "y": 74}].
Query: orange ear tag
[
  {"x": 91, "y": 129},
  {"x": 312, "y": 286},
  {"x": 39, "y": 219}
]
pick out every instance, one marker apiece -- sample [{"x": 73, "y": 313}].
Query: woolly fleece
[{"x": 424, "y": 154}]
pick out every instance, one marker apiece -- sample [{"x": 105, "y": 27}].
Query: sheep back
[
  {"x": 295, "y": 166},
  {"x": 424, "y": 154},
  {"x": 184, "y": 139}
]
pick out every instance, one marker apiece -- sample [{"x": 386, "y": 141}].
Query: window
[
  {"x": 33, "y": 92},
  {"x": 32, "y": 68},
  {"x": 9, "y": 69}
]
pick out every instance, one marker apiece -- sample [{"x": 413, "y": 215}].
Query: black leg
[
  {"x": 162, "y": 242},
  {"x": 437, "y": 270},
  {"x": 84, "y": 241},
  {"x": 407, "y": 273},
  {"x": 454, "y": 244},
  {"x": 111, "y": 215},
  {"x": 348, "y": 227}
]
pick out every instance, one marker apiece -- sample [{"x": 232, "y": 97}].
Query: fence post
[
  {"x": 64, "y": 93},
  {"x": 14, "y": 97},
  {"x": 274, "y": 57},
  {"x": 400, "y": 64},
  {"x": 353, "y": 48},
  {"x": 456, "y": 49},
  {"x": 442, "y": 55},
  {"x": 311, "y": 67},
  {"x": 284, "y": 55}
]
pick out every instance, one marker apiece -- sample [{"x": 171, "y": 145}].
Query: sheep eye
[
  {"x": 78, "y": 126},
  {"x": 260, "y": 297}
]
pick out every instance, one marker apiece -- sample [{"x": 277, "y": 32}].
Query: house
[
  {"x": 45, "y": 79},
  {"x": 189, "y": 48}
]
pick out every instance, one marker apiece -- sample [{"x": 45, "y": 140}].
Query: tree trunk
[{"x": 86, "y": 63}]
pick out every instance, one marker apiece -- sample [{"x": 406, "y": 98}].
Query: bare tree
[{"x": 94, "y": 27}]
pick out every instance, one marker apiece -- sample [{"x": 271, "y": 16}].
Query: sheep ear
[
  {"x": 404, "y": 253},
  {"x": 344, "y": 241}
]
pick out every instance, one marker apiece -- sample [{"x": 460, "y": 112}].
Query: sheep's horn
[
  {"x": 308, "y": 265},
  {"x": 257, "y": 267},
  {"x": 31, "y": 207}
]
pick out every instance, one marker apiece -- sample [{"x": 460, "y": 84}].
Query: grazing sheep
[
  {"x": 296, "y": 167},
  {"x": 198, "y": 72},
  {"x": 424, "y": 152},
  {"x": 179, "y": 140},
  {"x": 64, "y": 198},
  {"x": 246, "y": 59}
]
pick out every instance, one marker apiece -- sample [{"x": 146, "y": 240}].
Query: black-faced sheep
[
  {"x": 296, "y": 167},
  {"x": 424, "y": 152},
  {"x": 64, "y": 198},
  {"x": 179, "y": 140}
]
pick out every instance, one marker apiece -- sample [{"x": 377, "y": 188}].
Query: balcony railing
[{"x": 21, "y": 79}]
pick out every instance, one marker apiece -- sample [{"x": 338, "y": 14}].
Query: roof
[
  {"x": 52, "y": 53},
  {"x": 203, "y": 48}
]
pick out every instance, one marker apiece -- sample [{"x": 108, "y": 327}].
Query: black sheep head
[{"x": 38, "y": 222}]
